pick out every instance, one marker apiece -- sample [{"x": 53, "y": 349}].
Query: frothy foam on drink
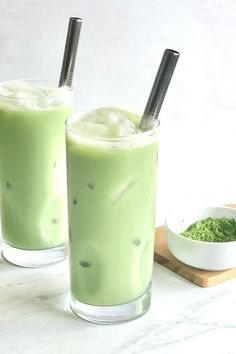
[
  {"x": 105, "y": 123},
  {"x": 23, "y": 95}
]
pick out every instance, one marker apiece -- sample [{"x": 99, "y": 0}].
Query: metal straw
[
  {"x": 70, "y": 51},
  {"x": 166, "y": 69}
]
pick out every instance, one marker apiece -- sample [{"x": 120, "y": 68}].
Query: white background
[{"x": 120, "y": 49}]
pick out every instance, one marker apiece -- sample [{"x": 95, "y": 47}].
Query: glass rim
[
  {"x": 152, "y": 133},
  {"x": 54, "y": 84}
]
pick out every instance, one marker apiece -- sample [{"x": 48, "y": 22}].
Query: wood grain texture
[{"x": 200, "y": 277}]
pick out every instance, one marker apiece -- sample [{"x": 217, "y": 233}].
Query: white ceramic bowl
[{"x": 200, "y": 254}]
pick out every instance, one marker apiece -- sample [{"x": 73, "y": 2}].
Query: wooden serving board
[{"x": 200, "y": 277}]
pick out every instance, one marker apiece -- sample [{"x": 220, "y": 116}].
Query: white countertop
[{"x": 183, "y": 318}]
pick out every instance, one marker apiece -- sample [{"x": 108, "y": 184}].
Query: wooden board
[{"x": 200, "y": 277}]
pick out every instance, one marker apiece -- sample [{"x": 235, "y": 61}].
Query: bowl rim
[{"x": 217, "y": 244}]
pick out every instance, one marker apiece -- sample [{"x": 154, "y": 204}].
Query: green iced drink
[
  {"x": 111, "y": 179},
  {"x": 32, "y": 171}
]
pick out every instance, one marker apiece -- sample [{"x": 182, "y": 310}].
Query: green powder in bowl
[{"x": 212, "y": 230}]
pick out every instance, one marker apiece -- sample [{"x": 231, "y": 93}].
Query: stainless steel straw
[
  {"x": 166, "y": 69},
  {"x": 70, "y": 51}
]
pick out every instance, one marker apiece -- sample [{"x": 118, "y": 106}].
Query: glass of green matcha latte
[
  {"x": 111, "y": 176},
  {"x": 33, "y": 171}
]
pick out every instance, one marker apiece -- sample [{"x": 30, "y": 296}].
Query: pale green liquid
[
  {"x": 111, "y": 197},
  {"x": 32, "y": 178}
]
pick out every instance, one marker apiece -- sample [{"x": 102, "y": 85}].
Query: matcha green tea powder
[{"x": 212, "y": 230}]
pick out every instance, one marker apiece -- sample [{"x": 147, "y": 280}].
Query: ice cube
[
  {"x": 120, "y": 125},
  {"x": 59, "y": 92},
  {"x": 55, "y": 97},
  {"x": 20, "y": 88},
  {"x": 42, "y": 91},
  {"x": 122, "y": 190},
  {"x": 32, "y": 97},
  {"x": 18, "y": 94},
  {"x": 8, "y": 101},
  {"x": 110, "y": 123},
  {"x": 124, "y": 127},
  {"x": 5, "y": 92},
  {"x": 92, "y": 129}
]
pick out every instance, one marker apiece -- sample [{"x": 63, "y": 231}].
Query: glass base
[
  {"x": 34, "y": 258},
  {"x": 113, "y": 314}
]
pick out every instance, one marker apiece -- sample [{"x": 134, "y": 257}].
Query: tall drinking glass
[
  {"x": 33, "y": 194},
  {"x": 111, "y": 203}
]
